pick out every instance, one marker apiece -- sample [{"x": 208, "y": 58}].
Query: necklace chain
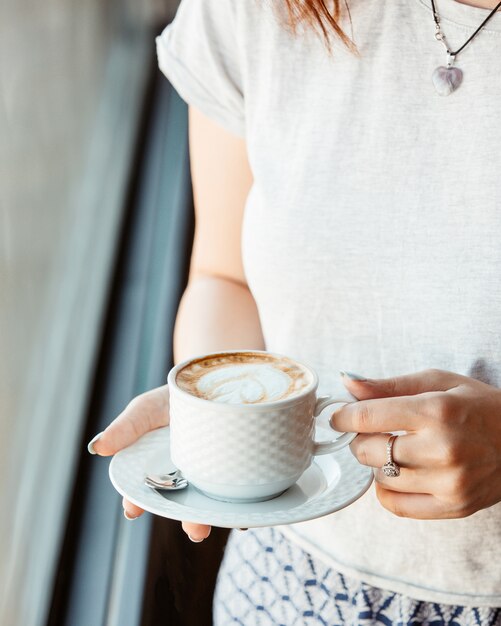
[{"x": 439, "y": 35}]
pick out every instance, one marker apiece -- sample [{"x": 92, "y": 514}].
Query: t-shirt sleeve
[{"x": 198, "y": 52}]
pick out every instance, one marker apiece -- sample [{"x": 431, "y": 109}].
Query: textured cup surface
[
  {"x": 242, "y": 451},
  {"x": 243, "y": 446}
]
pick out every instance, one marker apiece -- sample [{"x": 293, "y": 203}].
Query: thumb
[
  {"x": 146, "y": 412},
  {"x": 407, "y": 385}
]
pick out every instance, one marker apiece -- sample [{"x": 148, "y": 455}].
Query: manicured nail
[
  {"x": 90, "y": 445},
  {"x": 129, "y": 517},
  {"x": 196, "y": 540},
  {"x": 353, "y": 376}
]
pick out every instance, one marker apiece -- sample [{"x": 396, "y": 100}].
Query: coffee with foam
[{"x": 243, "y": 378}]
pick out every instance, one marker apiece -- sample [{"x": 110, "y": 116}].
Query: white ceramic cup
[{"x": 247, "y": 452}]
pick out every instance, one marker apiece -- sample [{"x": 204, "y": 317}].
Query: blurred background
[{"x": 95, "y": 235}]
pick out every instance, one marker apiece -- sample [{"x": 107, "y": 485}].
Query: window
[{"x": 72, "y": 80}]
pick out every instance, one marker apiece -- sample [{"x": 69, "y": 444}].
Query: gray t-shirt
[{"x": 372, "y": 232}]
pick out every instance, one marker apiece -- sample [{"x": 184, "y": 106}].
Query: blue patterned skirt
[{"x": 265, "y": 579}]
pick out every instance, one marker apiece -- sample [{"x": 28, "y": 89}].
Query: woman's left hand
[{"x": 450, "y": 458}]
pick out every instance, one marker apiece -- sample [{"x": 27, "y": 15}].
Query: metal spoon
[{"x": 166, "y": 482}]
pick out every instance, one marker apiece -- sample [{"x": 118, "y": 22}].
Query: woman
[{"x": 369, "y": 242}]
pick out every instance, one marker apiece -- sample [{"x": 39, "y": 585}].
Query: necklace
[{"x": 447, "y": 79}]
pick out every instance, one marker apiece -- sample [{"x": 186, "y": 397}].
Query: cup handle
[{"x": 325, "y": 447}]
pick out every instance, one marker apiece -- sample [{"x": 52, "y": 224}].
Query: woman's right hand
[{"x": 146, "y": 412}]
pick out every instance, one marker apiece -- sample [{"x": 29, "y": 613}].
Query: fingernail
[
  {"x": 353, "y": 376},
  {"x": 129, "y": 517},
  {"x": 90, "y": 445},
  {"x": 196, "y": 540}
]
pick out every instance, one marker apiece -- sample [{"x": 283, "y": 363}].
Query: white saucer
[{"x": 332, "y": 482}]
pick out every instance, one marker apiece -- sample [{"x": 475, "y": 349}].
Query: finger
[
  {"x": 406, "y": 385},
  {"x": 383, "y": 415},
  {"x": 413, "y": 505},
  {"x": 370, "y": 450},
  {"x": 438, "y": 483},
  {"x": 407, "y": 452},
  {"x": 409, "y": 481},
  {"x": 131, "y": 511},
  {"x": 146, "y": 412},
  {"x": 196, "y": 532}
]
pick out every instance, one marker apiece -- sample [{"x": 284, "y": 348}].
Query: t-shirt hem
[
  {"x": 193, "y": 92},
  {"x": 412, "y": 591}
]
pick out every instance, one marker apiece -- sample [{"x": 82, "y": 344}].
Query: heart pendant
[{"x": 447, "y": 79}]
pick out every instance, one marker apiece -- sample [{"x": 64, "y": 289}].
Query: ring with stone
[{"x": 390, "y": 468}]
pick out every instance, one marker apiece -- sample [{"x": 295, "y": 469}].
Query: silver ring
[{"x": 390, "y": 468}]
